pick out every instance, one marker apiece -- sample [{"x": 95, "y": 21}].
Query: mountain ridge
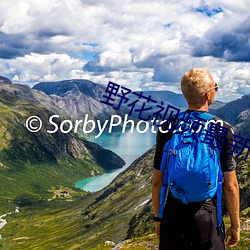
[
  {"x": 78, "y": 97},
  {"x": 58, "y": 159},
  {"x": 120, "y": 211},
  {"x": 4, "y": 80},
  {"x": 237, "y": 114},
  {"x": 231, "y": 110}
]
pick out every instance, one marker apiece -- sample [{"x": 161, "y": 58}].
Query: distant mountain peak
[
  {"x": 4, "y": 80},
  {"x": 230, "y": 111},
  {"x": 78, "y": 97},
  {"x": 62, "y": 88}
]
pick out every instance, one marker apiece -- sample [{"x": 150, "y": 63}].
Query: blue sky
[{"x": 143, "y": 44}]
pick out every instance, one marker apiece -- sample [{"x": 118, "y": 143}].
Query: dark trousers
[{"x": 192, "y": 226}]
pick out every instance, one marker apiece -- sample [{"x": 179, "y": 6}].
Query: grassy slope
[
  {"x": 150, "y": 242},
  {"x": 48, "y": 226},
  {"x": 243, "y": 176},
  {"x": 57, "y": 226},
  {"x": 60, "y": 225},
  {"x": 107, "y": 215},
  {"x": 27, "y": 169},
  {"x": 30, "y": 185}
]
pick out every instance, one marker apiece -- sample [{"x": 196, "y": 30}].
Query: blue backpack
[{"x": 191, "y": 168}]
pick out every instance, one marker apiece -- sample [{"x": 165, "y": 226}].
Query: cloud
[
  {"x": 109, "y": 61},
  {"x": 34, "y": 68},
  {"x": 37, "y": 17},
  {"x": 12, "y": 45},
  {"x": 169, "y": 74},
  {"x": 141, "y": 44},
  {"x": 230, "y": 45}
]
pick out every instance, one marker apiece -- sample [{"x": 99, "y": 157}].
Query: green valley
[
  {"x": 120, "y": 213},
  {"x": 38, "y": 172},
  {"x": 32, "y": 163}
]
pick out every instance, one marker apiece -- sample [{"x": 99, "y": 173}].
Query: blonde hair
[{"x": 195, "y": 83}]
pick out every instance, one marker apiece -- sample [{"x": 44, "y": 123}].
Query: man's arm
[
  {"x": 157, "y": 178},
  {"x": 156, "y": 187},
  {"x": 232, "y": 200}
]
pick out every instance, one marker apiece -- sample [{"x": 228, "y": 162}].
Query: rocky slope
[
  {"x": 121, "y": 211},
  {"x": 237, "y": 113},
  {"x": 4, "y": 80},
  {"x": 243, "y": 124},
  {"x": 78, "y": 98},
  {"x": 31, "y": 163},
  {"x": 232, "y": 110},
  {"x": 243, "y": 176},
  {"x": 125, "y": 206}
]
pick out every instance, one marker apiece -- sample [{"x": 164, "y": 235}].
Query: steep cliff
[{"x": 31, "y": 163}]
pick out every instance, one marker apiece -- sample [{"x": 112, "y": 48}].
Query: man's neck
[{"x": 198, "y": 107}]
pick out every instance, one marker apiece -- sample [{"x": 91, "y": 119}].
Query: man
[{"x": 194, "y": 225}]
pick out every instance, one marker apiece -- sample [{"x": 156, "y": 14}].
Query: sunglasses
[{"x": 216, "y": 87}]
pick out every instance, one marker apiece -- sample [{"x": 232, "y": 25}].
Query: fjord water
[{"x": 128, "y": 146}]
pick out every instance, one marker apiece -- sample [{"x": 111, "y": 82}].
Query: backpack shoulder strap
[{"x": 208, "y": 116}]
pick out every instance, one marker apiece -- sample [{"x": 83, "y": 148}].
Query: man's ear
[{"x": 207, "y": 95}]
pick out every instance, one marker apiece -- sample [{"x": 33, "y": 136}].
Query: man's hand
[
  {"x": 232, "y": 236},
  {"x": 157, "y": 228}
]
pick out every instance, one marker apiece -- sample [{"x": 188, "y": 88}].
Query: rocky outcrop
[
  {"x": 4, "y": 80},
  {"x": 24, "y": 100},
  {"x": 106, "y": 158},
  {"x": 34, "y": 162},
  {"x": 243, "y": 124},
  {"x": 232, "y": 110},
  {"x": 78, "y": 98}
]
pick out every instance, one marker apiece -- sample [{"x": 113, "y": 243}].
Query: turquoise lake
[{"x": 129, "y": 146}]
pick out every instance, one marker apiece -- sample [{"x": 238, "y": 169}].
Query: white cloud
[
  {"x": 141, "y": 44},
  {"x": 34, "y": 68},
  {"x": 33, "y": 16},
  {"x": 16, "y": 18},
  {"x": 114, "y": 59}
]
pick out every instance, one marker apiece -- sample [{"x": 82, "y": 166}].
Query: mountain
[
  {"x": 163, "y": 98},
  {"x": 31, "y": 164},
  {"x": 124, "y": 208},
  {"x": 106, "y": 215},
  {"x": 216, "y": 105},
  {"x": 4, "y": 80},
  {"x": 78, "y": 98},
  {"x": 237, "y": 114},
  {"x": 121, "y": 211},
  {"x": 172, "y": 98},
  {"x": 82, "y": 97},
  {"x": 243, "y": 176},
  {"x": 230, "y": 111},
  {"x": 243, "y": 124}
]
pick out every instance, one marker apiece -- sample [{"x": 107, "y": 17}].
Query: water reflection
[{"x": 128, "y": 146}]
